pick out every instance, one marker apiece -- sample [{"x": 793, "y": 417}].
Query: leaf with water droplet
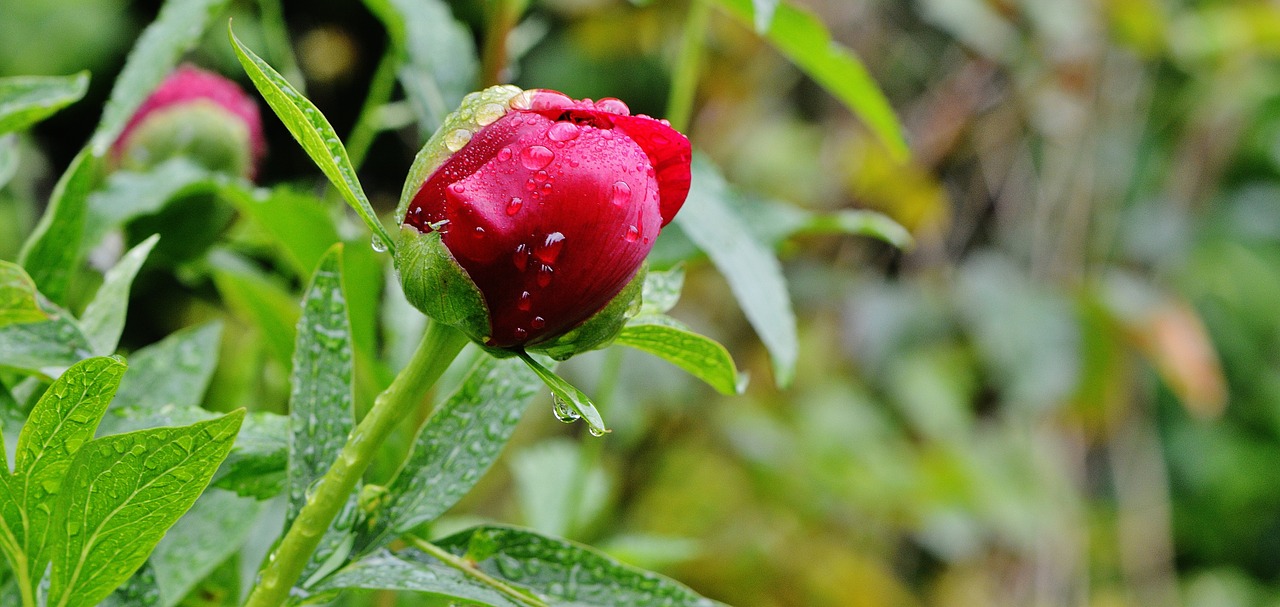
[
  {"x": 700, "y": 356},
  {"x": 567, "y": 393}
]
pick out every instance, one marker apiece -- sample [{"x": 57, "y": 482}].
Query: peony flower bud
[
  {"x": 195, "y": 114},
  {"x": 527, "y": 217}
]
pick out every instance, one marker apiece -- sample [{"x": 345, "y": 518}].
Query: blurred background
[{"x": 1067, "y": 393}]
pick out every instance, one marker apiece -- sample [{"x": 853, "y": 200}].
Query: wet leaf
[
  {"x": 207, "y": 535},
  {"x": 52, "y": 251},
  {"x": 18, "y": 296},
  {"x": 571, "y": 403},
  {"x": 385, "y": 571},
  {"x": 103, "y": 318},
  {"x": 700, "y": 356}
]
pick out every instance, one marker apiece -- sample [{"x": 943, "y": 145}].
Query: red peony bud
[
  {"x": 197, "y": 114},
  {"x": 550, "y": 206}
]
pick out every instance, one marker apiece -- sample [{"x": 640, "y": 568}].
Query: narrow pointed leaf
[
  {"x": 103, "y": 319},
  {"x": 762, "y": 12},
  {"x": 754, "y": 273},
  {"x": 700, "y": 356},
  {"x": 52, "y": 251},
  {"x": 122, "y": 493},
  {"x": 26, "y": 100},
  {"x": 568, "y": 394},
  {"x": 313, "y": 132}
]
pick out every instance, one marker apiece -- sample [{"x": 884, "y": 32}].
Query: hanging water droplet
[
  {"x": 488, "y": 113},
  {"x": 563, "y": 410},
  {"x": 538, "y": 322},
  {"x": 377, "y": 244},
  {"x": 550, "y": 249},
  {"x": 521, "y": 333},
  {"x": 563, "y": 131},
  {"x": 595, "y": 431},
  {"x": 620, "y": 193},
  {"x": 544, "y": 276},
  {"x": 513, "y": 205},
  {"x": 525, "y": 303},
  {"x": 633, "y": 234},
  {"x": 457, "y": 139},
  {"x": 536, "y": 157}
]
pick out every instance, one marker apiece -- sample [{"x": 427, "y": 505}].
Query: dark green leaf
[
  {"x": 52, "y": 251},
  {"x": 174, "y": 372},
  {"x": 60, "y": 424},
  {"x": 563, "y": 571},
  {"x": 314, "y": 133},
  {"x": 700, "y": 356},
  {"x": 176, "y": 29},
  {"x": 385, "y": 571},
  {"x": 804, "y": 40},
  {"x": 127, "y": 195},
  {"x": 754, "y": 273},
  {"x": 456, "y": 446},
  {"x": 570, "y": 402},
  {"x": 141, "y": 590},
  {"x": 18, "y": 298},
  {"x": 300, "y": 224},
  {"x": 121, "y": 494},
  {"x": 208, "y": 534},
  {"x": 103, "y": 319},
  {"x": 26, "y": 100},
  {"x": 439, "y": 57}
]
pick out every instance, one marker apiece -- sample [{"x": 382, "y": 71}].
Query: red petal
[{"x": 669, "y": 153}]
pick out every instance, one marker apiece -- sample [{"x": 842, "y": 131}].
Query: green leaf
[
  {"x": 700, "y": 356},
  {"x": 62, "y": 422},
  {"x": 763, "y": 11},
  {"x": 262, "y": 304},
  {"x": 321, "y": 415},
  {"x": 570, "y": 402},
  {"x": 314, "y": 133},
  {"x": 754, "y": 273},
  {"x": 122, "y": 493},
  {"x": 207, "y": 535},
  {"x": 457, "y": 444},
  {"x": 774, "y": 222},
  {"x": 26, "y": 100},
  {"x": 173, "y": 372},
  {"x": 563, "y": 571},
  {"x": 258, "y": 463},
  {"x": 8, "y": 158},
  {"x": 45, "y": 348},
  {"x": 176, "y": 29},
  {"x": 803, "y": 39},
  {"x": 662, "y": 290},
  {"x": 300, "y": 224},
  {"x": 438, "y": 56},
  {"x": 18, "y": 296},
  {"x": 52, "y": 251},
  {"x": 127, "y": 194},
  {"x": 385, "y": 571},
  {"x": 103, "y": 319}
]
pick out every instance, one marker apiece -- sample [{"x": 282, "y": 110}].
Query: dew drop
[
  {"x": 488, "y": 113},
  {"x": 538, "y": 322},
  {"x": 521, "y": 257},
  {"x": 513, "y": 205},
  {"x": 536, "y": 157},
  {"x": 620, "y": 193},
  {"x": 546, "y": 188},
  {"x": 457, "y": 139},
  {"x": 530, "y": 185},
  {"x": 504, "y": 155},
  {"x": 377, "y": 244},
  {"x": 478, "y": 233},
  {"x": 563, "y": 131},
  {"x": 525, "y": 303},
  {"x": 563, "y": 410},
  {"x": 544, "y": 275},
  {"x": 613, "y": 106},
  {"x": 550, "y": 249},
  {"x": 541, "y": 176},
  {"x": 595, "y": 431},
  {"x": 633, "y": 234},
  {"x": 521, "y": 333}
]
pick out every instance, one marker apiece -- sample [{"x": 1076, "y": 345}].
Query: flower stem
[
  {"x": 368, "y": 124},
  {"x": 467, "y": 568},
  {"x": 439, "y": 347},
  {"x": 502, "y": 16},
  {"x": 684, "y": 79}
]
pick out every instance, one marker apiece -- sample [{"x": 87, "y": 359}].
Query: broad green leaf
[
  {"x": 121, "y": 494},
  {"x": 52, "y": 251},
  {"x": 128, "y": 194},
  {"x": 385, "y": 571},
  {"x": 140, "y": 590},
  {"x": 176, "y": 29},
  {"x": 754, "y": 273},
  {"x": 258, "y": 462},
  {"x": 803, "y": 39},
  {"x": 570, "y": 403},
  {"x": 456, "y": 445},
  {"x": 26, "y": 100},
  {"x": 564, "y": 572},
  {"x": 314, "y": 133},
  {"x": 263, "y": 304},
  {"x": 103, "y": 319},
  {"x": 60, "y": 424},
  {"x": 700, "y": 356},
  {"x": 45, "y": 348},
  {"x": 557, "y": 495},
  {"x": 208, "y": 534},
  {"x": 18, "y": 296},
  {"x": 172, "y": 372},
  {"x": 662, "y": 290},
  {"x": 438, "y": 56},
  {"x": 298, "y": 223},
  {"x": 321, "y": 415}
]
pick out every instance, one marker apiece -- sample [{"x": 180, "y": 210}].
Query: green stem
[
  {"x": 471, "y": 571},
  {"x": 439, "y": 347},
  {"x": 502, "y": 16},
  {"x": 368, "y": 124},
  {"x": 684, "y": 79}
]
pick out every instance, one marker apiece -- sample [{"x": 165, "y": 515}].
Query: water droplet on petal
[
  {"x": 378, "y": 245},
  {"x": 544, "y": 276},
  {"x": 525, "y": 303},
  {"x": 538, "y": 322},
  {"x": 633, "y": 234},
  {"x": 563, "y": 131},
  {"x": 620, "y": 193},
  {"x": 504, "y": 155},
  {"x": 521, "y": 333},
  {"x": 513, "y": 205},
  {"x": 541, "y": 176},
  {"x": 536, "y": 157},
  {"x": 521, "y": 257},
  {"x": 479, "y": 233},
  {"x": 457, "y": 139},
  {"x": 530, "y": 185},
  {"x": 549, "y": 252},
  {"x": 488, "y": 113},
  {"x": 613, "y": 106},
  {"x": 546, "y": 188}
]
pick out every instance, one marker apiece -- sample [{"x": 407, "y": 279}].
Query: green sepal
[
  {"x": 434, "y": 283},
  {"x": 602, "y": 328},
  {"x": 200, "y": 130},
  {"x": 477, "y": 110}
]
